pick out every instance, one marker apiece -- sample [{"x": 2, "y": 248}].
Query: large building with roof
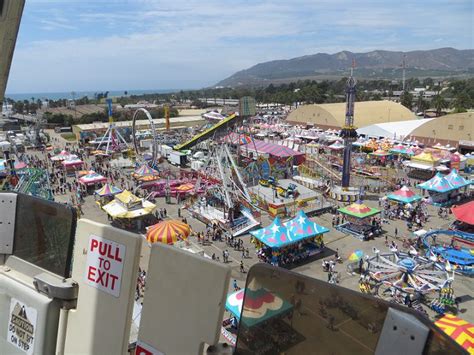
[
  {"x": 367, "y": 113},
  {"x": 175, "y": 123}
]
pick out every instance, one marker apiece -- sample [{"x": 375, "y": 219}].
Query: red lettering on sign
[
  {"x": 91, "y": 272},
  {"x": 94, "y": 244},
  {"x": 114, "y": 278},
  {"x": 106, "y": 249},
  {"x": 141, "y": 351}
]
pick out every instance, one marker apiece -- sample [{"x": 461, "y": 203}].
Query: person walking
[{"x": 242, "y": 268}]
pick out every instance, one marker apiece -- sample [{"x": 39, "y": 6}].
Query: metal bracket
[
  {"x": 7, "y": 221},
  {"x": 402, "y": 333},
  {"x": 65, "y": 290}
]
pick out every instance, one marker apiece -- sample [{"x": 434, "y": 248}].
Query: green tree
[
  {"x": 406, "y": 99},
  {"x": 439, "y": 103},
  {"x": 462, "y": 102}
]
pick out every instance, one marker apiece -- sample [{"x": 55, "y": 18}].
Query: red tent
[{"x": 464, "y": 213}]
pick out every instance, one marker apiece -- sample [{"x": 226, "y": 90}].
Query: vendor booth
[
  {"x": 404, "y": 195},
  {"x": 72, "y": 165},
  {"x": 106, "y": 193},
  {"x": 145, "y": 173},
  {"x": 444, "y": 190},
  {"x": 422, "y": 166},
  {"x": 91, "y": 180},
  {"x": 290, "y": 242},
  {"x": 272, "y": 151},
  {"x": 129, "y": 211},
  {"x": 359, "y": 221},
  {"x": 464, "y": 215}
]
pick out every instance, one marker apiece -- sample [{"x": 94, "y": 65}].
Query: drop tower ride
[{"x": 348, "y": 132}]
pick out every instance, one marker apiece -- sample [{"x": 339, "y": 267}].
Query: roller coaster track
[{"x": 208, "y": 133}]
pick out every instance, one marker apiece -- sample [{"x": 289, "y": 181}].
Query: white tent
[{"x": 396, "y": 130}]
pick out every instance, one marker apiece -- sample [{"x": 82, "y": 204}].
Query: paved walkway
[{"x": 463, "y": 286}]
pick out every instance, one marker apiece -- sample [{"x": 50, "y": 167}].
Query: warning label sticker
[
  {"x": 105, "y": 259},
  {"x": 22, "y": 326}
]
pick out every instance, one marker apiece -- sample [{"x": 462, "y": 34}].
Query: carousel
[
  {"x": 359, "y": 221},
  {"x": 291, "y": 242},
  {"x": 409, "y": 274}
]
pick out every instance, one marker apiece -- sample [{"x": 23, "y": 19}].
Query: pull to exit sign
[{"x": 105, "y": 259}]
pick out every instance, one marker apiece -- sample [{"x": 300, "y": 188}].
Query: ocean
[{"x": 79, "y": 94}]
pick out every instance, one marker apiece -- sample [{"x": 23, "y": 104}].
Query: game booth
[
  {"x": 291, "y": 242},
  {"x": 464, "y": 223},
  {"x": 92, "y": 180},
  {"x": 145, "y": 174},
  {"x": 130, "y": 212},
  {"x": 404, "y": 196},
  {"x": 359, "y": 221},
  {"x": 422, "y": 166},
  {"x": 445, "y": 190},
  {"x": 106, "y": 194},
  {"x": 263, "y": 319},
  {"x": 72, "y": 165}
]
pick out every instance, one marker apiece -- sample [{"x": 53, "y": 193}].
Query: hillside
[{"x": 379, "y": 64}]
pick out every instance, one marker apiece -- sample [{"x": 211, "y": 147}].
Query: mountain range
[{"x": 378, "y": 64}]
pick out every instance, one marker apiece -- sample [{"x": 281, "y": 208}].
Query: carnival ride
[
  {"x": 35, "y": 182},
  {"x": 450, "y": 256},
  {"x": 228, "y": 200},
  {"x": 154, "y": 146},
  {"x": 224, "y": 124},
  {"x": 112, "y": 138},
  {"x": 407, "y": 273}
]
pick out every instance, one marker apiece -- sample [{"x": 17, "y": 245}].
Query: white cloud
[{"x": 192, "y": 43}]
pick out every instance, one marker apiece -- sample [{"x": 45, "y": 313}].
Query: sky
[{"x": 83, "y": 45}]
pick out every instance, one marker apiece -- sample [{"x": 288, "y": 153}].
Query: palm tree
[{"x": 439, "y": 103}]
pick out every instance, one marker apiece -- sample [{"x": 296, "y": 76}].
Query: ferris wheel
[{"x": 407, "y": 273}]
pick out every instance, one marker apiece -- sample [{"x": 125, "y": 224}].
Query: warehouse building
[{"x": 332, "y": 116}]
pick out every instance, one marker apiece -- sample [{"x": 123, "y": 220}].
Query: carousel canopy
[
  {"x": 359, "y": 210},
  {"x": 380, "y": 153},
  {"x": 260, "y": 306},
  {"x": 278, "y": 235},
  {"x": 438, "y": 183},
  {"x": 461, "y": 331},
  {"x": 168, "y": 231},
  {"x": 107, "y": 190},
  {"x": 404, "y": 195},
  {"x": 302, "y": 225},
  {"x": 457, "y": 180},
  {"x": 145, "y": 170},
  {"x": 275, "y": 235},
  {"x": 464, "y": 213}
]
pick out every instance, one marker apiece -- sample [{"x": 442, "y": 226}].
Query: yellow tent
[
  {"x": 425, "y": 158},
  {"x": 127, "y": 205}
]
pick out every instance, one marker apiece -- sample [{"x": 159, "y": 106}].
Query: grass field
[{"x": 69, "y": 136}]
